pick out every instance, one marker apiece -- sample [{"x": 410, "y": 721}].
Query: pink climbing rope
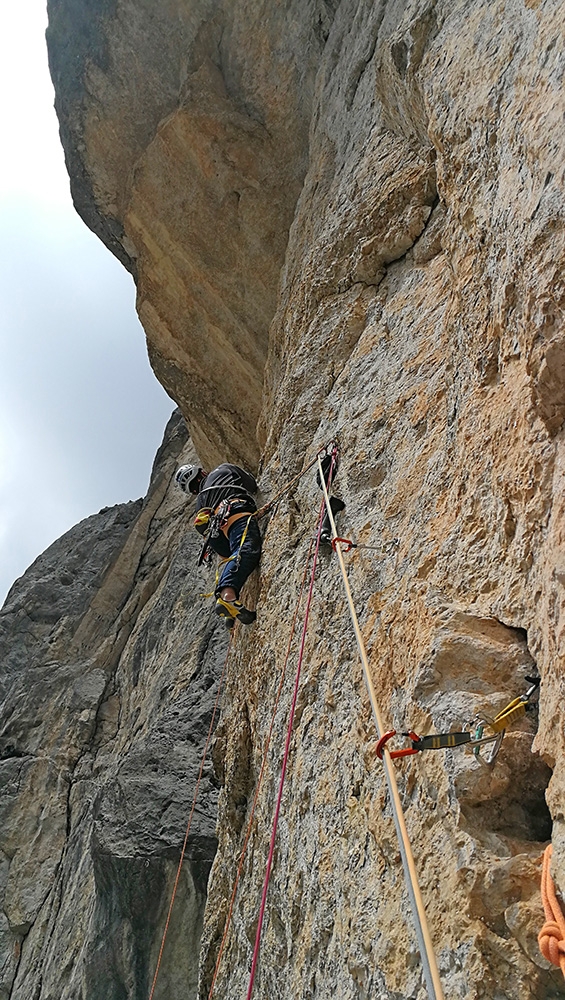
[
  {"x": 261, "y": 774},
  {"x": 286, "y": 755}
]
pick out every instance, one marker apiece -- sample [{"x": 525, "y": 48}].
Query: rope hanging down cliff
[
  {"x": 285, "y": 757},
  {"x": 429, "y": 962},
  {"x": 261, "y": 775}
]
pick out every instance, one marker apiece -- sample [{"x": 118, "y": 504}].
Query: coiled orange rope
[{"x": 551, "y": 938}]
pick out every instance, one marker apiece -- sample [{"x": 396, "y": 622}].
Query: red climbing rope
[
  {"x": 285, "y": 758},
  {"x": 260, "y": 778},
  {"x": 196, "y": 790}
]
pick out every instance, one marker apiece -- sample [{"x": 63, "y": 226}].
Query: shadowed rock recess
[{"x": 345, "y": 219}]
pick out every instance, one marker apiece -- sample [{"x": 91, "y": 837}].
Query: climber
[
  {"x": 224, "y": 511},
  {"x": 335, "y": 504}
]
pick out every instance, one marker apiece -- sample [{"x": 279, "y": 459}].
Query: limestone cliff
[
  {"x": 346, "y": 219},
  {"x": 185, "y": 127},
  {"x": 109, "y": 674}
]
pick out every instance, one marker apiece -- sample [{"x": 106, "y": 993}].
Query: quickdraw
[
  {"x": 210, "y": 526},
  {"x": 323, "y": 450},
  {"x": 437, "y": 741},
  {"x": 390, "y": 546},
  {"x": 472, "y": 739},
  {"x": 515, "y": 709},
  {"x": 211, "y": 522},
  {"x": 202, "y": 520}
]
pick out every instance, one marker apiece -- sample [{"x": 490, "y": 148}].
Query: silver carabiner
[{"x": 479, "y": 740}]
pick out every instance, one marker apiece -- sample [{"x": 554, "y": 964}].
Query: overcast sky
[{"x": 81, "y": 413}]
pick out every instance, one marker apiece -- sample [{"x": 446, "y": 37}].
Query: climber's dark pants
[
  {"x": 244, "y": 558},
  {"x": 336, "y": 505}
]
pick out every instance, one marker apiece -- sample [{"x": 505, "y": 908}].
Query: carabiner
[
  {"x": 406, "y": 752},
  {"x": 479, "y": 740},
  {"x": 344, "y": 541}
]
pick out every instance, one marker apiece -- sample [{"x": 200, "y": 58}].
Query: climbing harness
[
  {"x": 429, "y": 962},
  {"x": 551, "y": 938},
  {"x": 261, "y": 774},
  {"x": 257, "y": 946},
  {"x": 193, "y": 807},
  {"x": 222, "y": 563},
  {"x": 473, "y": 740},
  {"x": 209, "y": 522}
]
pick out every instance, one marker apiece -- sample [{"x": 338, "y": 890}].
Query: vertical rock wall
[
  {"x": 109, "y": 675},
  {"x": 406, "y": 160},
  {"x": 420, "y": 321},
  {"x": 185, "y": 128}
]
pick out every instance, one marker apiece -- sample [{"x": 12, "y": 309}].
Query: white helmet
[{"x": 187, "y": 477}]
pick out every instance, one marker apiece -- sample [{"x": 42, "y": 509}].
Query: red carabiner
[
  {"x": 407, "y": 752},
  {"x": 345, "y": 541}
]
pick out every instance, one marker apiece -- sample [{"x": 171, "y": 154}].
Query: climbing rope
[
  {"x": 285, "y": 759},
  {"x": 195, "y": 796},
  {"x": 268, "y": 506},
  {"x": 551, "y": 938},
  {"x": 429, "y": 962},
  {"x": 260, "y": 778}
]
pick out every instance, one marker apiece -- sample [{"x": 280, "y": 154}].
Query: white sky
[{"x": 81, "y": 414}]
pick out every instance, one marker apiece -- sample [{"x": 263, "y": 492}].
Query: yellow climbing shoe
[{"x": 236, "y": 610}]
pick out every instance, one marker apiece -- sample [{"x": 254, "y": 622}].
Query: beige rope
[{"x": 429, "y": 962}]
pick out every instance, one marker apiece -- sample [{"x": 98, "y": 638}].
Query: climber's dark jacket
[{"x": 227, "y": 482}]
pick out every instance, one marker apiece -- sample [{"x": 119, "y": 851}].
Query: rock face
[
  {"x": 346, "y": 220},
  {"x": 109, "y": 675},
  {"x": 185, "y": 127}
]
